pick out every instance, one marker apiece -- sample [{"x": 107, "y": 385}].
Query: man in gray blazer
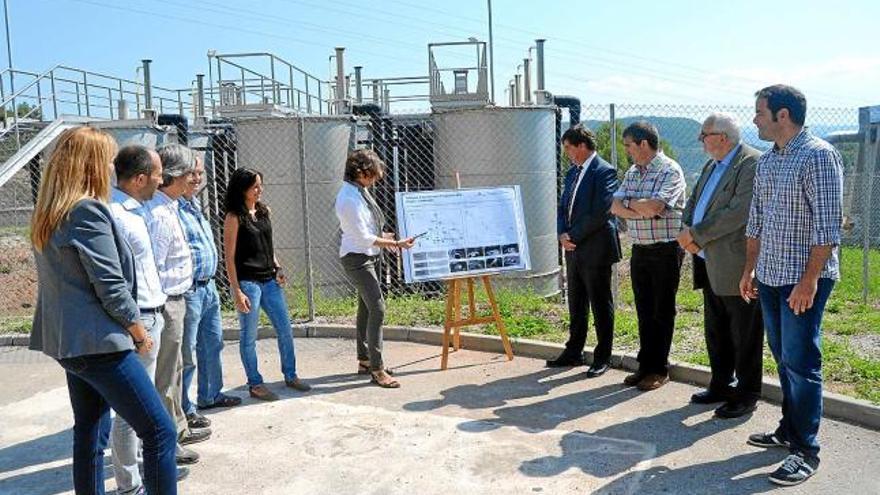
[{"x": 714, "y": 232}]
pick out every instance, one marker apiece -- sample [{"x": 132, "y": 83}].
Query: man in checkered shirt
[
  {"x": 651, "y": 199},
  {"x": 792, "y": 240}
]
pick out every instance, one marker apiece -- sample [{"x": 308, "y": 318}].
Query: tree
[{"x": 25, "y": 110}]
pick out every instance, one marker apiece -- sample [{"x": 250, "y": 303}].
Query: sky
[{"x": 626, "y": 51}]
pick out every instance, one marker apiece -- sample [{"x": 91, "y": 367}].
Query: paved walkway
[{"x": 484, "y": 426}]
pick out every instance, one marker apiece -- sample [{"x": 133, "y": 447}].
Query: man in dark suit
[
  {"x": 588, "y": 234},
  {"x": 715, "y": 220}
]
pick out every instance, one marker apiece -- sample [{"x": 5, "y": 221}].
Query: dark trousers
[
  {"x": 118, "y": 380},
  {"x": 363, "y": 271},
  {"x": 589, "y": 287},
  {"x": 734, "y": 332},
  {"x": 655, "y": 270}
]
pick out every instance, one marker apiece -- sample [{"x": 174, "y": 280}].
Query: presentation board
[{"x": 462, "y": 232}]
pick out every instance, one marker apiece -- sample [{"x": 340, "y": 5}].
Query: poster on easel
[{"x": 462, "y": 232}]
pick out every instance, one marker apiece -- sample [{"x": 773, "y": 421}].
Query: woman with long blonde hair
[{"x": 87, "y": 316}]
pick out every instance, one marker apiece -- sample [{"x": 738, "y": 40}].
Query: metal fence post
[
  {"x": 304, "y": 190},
  {"x": 871, "y": 141},
  {"x": 612, "y": 133}
]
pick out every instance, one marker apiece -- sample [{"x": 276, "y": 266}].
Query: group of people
[
  {"x": 128, "y": 306},
  {"x": 763, "y": 230}
]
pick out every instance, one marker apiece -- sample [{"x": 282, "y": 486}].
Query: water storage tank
[
  {"x": 272, "y": 146},
  {"x": 507, "y": 146}
]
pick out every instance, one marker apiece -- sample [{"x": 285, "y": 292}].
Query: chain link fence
[{"x": 302, "y": 159}]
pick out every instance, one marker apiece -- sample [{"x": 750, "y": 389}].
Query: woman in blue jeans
[
  {"x": 87, "y": 316},
  {"x": 255, "y": 279}
]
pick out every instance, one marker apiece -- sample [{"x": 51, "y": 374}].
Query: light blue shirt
[
  {"x": 131, "y": 218},
  {"x": 709, "y": 188}
]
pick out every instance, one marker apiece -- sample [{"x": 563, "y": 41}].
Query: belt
[
  {"x": 656, "y": 245},
  {"x": 178, "y": 297},
  {"x": 151, "y": 311},
  {"x": 202, "y": 283}
]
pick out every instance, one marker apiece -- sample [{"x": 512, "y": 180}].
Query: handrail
[{"x": 18, "y": 92}]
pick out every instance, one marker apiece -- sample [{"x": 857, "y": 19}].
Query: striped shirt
[
  {"x": 200, "y": 238},
  {"x": 797, "y": 204},
  {"x": 662, "y": 179},
  {"x": 173, "y": 258}
]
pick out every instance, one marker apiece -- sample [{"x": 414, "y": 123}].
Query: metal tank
[
  {"x": 272, "y": 146},
  {"x": 507, "y": 146}
]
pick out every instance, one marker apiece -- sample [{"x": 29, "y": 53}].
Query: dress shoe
[
  {"x": 707, "y": 397},
  {"x": 566, "y": 360},
  {"x": 196, "y": 420},
  {"x": 262, "y": 393},
  {"x": 597, "y": 370},
  {"x": 652, "y": 381},
  {"x": 298, "y": 384},
  {"x": 735, "y": 409},
  {"x": 223, "y": 400},
  {"x": 186, "y": 456},
  {"x": 194, "y": 435},
  {"x": 633, "y": 379},
  {"x": 182, "y": 473}
]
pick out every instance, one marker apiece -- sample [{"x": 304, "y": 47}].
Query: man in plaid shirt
[
  {"x": 792, "y": 240},
  {"x": 651, "y": 199}
]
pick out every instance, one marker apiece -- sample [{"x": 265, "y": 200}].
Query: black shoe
[
  {"x": 223, "y": 400},
  {"x": 195, "y": 435},
  {"x": 186, "y": 456},
  {"x": 707, "y": 397},
  {"x": 735, "y": 409},
  {"x": 196, "y": 420},
  {"x": 767, "y": 440},
  {"x": 566, "y": 360},
  {"x": 182, "y": 473},
  {"x": 597, "y": 370},
  {"x": 795, "y": 469}
]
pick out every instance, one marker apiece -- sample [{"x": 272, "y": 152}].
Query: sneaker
[
  {"x": 767, "y": 440},
  {"x": 182, "y": 473},
  {"x": 652, "y": 381},
  {"x": 186, "y": 456},
  {"x": 633, "y": 379},
  {"x": 262, "y": 393},
  {"x": 194, "y": 435},
  {"x": 794, "y": 470},
  {"x": 196, "y": 420},
  {"x": 298, "y": 384}
]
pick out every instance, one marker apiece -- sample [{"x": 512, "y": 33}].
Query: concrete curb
[{"x": 836, "y": 406}]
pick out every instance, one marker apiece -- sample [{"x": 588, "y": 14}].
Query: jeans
[
  {"x": 655, "y": 270},
  {"x": 362, "y": 271},
  {"x": 202, "y": 333},
  {"x": 269, "y": 296},
  {"x": 794, "y": 341},
  {"x": 123, "y": 439},
  {"x": 169, "y": 364},
  {"x": 118, "y": 380}
]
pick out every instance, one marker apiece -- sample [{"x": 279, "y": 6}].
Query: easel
[{"x": 454, "y": 321}]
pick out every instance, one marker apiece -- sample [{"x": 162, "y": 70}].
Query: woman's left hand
[{"x": 280, "y": 277}]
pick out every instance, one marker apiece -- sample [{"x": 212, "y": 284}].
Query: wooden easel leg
[
  {"x": 450, "y": 289},
  {"x": 497, "y": 315},
  {"x": 456, "y": 312}
]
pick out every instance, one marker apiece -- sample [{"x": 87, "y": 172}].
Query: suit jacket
[
  {"x": 87, "y": 290},
  {"x": 722, "y": 231},
  {"x": 591, "y": 225}
]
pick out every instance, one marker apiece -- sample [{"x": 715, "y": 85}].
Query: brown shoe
[
  {"x": 633, "y": 379},
  {"x": 298, "y": 384},
  {"x": 263, "y": 393},
  {"x": 652, "y": 381}
]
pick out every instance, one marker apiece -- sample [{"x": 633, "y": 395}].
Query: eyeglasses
[{"x": 704, "y": 135}]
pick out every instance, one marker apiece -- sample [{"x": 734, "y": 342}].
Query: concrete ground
[{"x": 483, "y": 426}]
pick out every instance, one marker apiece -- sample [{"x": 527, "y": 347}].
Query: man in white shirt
[
  {"x": 174, "y": 263},
  {"x": 139, "y": 173}
]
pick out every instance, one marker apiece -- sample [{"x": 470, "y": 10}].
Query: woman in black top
[{"x": 255, "y": 279}]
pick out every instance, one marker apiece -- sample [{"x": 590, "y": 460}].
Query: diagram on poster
[{"x": 462, "y": 232}]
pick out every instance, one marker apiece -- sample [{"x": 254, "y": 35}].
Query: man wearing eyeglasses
[{"x": 714, "y": 223}]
